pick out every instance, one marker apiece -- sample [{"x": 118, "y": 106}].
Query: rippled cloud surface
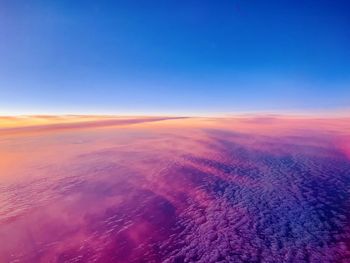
[{"x": 248, "y": 189}]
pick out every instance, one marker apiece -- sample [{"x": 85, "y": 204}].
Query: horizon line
[{"x": 335, "y": 112}]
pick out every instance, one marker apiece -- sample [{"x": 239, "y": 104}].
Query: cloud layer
[{"x": 184, "y": 190}]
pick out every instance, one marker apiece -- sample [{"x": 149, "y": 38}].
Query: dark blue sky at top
[{"x": 174, "y": 56}]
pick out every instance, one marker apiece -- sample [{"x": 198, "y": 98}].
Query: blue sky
[{"x": 179, "y": 57}]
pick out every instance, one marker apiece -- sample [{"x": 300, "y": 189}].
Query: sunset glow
[
  {"x": 141, "y": 191},
  {"x": 172, "y": 131}
]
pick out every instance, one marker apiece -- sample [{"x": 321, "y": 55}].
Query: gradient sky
[{"x": 173, "y": 56}]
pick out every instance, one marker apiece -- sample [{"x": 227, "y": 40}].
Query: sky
[{"x": 173, "y": 57}]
